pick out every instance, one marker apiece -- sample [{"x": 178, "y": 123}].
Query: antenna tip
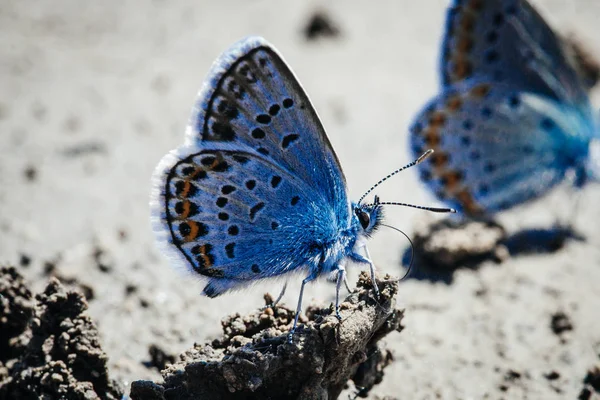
[
  {"x": 453, "y": 211},
  {"x": 424, "y": 156}
]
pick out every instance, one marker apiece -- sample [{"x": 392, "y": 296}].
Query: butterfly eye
[{"x": 363, "y": 218}]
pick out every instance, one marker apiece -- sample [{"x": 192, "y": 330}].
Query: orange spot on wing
[
  {"x": 186, "y": 210},
  {"x": 204, "y": 255},
  {"x": 461, "y": 68},
  {"x": 437, "y": 119},
  {"x": 194, "y": 229},
  {"x": 454, "y": 103},
  {"x": 439, "y": 159},
  {"x": 451, "y": 180},
  {"x": 476, "y": 5},
  {"x": 480, "y": 91},
  {"x": 464, "y": 44},
  {"x": 432, "y": 138},
  {"x": 186, "y": 189},
  {"x": 468, "y": 202},
  {"x": 467, "y": 22}
]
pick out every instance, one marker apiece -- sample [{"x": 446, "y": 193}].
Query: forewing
[
  {"x": 496, "y": 147},
  {"x": 508, "y": 42},
  {"x": 253, "y": 102}
]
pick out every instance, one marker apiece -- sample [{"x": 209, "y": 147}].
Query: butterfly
[
  {"x": 256, "y": 191},
  {"x": 513, "y": 117}
]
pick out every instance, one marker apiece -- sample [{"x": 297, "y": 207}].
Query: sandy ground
[{"x": 94, "y": 93}]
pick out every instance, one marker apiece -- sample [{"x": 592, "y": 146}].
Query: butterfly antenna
[
  {"x": 432, "y": 209},
  {"x": 412, "y": 164},
  {"x": 412, "y": 250}
]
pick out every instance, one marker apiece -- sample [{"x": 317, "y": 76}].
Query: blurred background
[{"x": 93, "y": 94}]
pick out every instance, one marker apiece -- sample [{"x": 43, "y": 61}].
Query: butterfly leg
[
  {"x": 309, "y": 278},
  {"x": 273, "y": 304},
  {"x": 341, "y": 276},
  {"x": 367, "y": 260},
  {"x": 347, "y": 284}
]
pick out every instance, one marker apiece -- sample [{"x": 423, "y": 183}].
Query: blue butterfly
[
  {"x": 256, "y": 191},
  {"x": 513, "y": 116}
]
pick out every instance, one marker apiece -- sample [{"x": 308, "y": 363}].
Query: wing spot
[
  {"x": 255, "y": 269},
  {"x": 221, "y": 202},
  {"x": 498, "y": 20},
  {"x": 514, "y": 101},
  {"x": 247, "y": 73},
  {"x": 467, "y": 22},
  {"x": 480, "y": 91},
  {"x": 263, "y": 119},
  {"x": 464, "y": 44},
  {"x": 187, "y": 171},
  {"x": 274, "y": 225},
  {"x": 437, "y": 119},
  {"x": 439, "y": 159},
  {"x": 227, "y": 189},
  {"x": 233, "y": 230},
  {"x": 251, "y": 184},
  {"x": 227, "y": 110},
  {"x": 258, "y": 133},
  {"x": 467, "y": 124},
  {"x": 547, "y": 124},
  {"x": 287, "y": 103},
  {"x": 295, "y": 200},
  {"x": 289, "y": 139},
  {"x": 256, "y": 208},
  {"x": 240, "y": 159},
  {"x": 465, "y": 140},
  {"x": 223, "y": 131},
  {"x": 229, "y": 250},
  {"x": 223, "y": 216},
  {"x": 204, "y": 255},
  {"x": 484, "y": 189},
  {"x": 454, "y": 103},
  {"x": 489, "y": 167},
  {"x": 184, "y": 189},
  {"x": 491, "y": 56},
  {"x": 236, "y": 89},
  {"x": 425, "y": 175},
  {"x": 186, "y": 209},
  {"x": 486, "y": 112},
  {"x": 432, "y": 138},
  {"x": 451, "y": 179},
  {"x": 263, "y": 151},
  {"x": 461, "y": 69},
  {"x": 491, "y": 37},
  {"x": 274, "y": 109},
  {"x": 275, "y": 181}
]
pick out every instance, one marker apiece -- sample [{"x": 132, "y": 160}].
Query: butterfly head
[{"x": 367, "y": 217}]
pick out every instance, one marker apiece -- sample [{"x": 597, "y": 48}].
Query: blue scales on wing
[
  {"x": 257, "y": 190},
  {"x": 507, "y": 41},
  {"x": 496, "y": 146}
]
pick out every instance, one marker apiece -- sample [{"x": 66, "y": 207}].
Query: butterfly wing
[
  {"x": 252, "y": 100},
  {"x": 508, "y": 42},
  {"x": 495, "y": 146},
  {"x": 257, "y": 183}
]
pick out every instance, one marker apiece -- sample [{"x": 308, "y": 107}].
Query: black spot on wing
[
  {"x": 233, "y": 230},
  {"x": 275, "y": 181},
  {"x": 256, "y": 208},
  {"x": 288, "y": 140},
  {"x": 230, "y": 250}
]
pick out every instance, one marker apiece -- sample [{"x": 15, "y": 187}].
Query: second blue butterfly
[{"x": 513, "y": 117}]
